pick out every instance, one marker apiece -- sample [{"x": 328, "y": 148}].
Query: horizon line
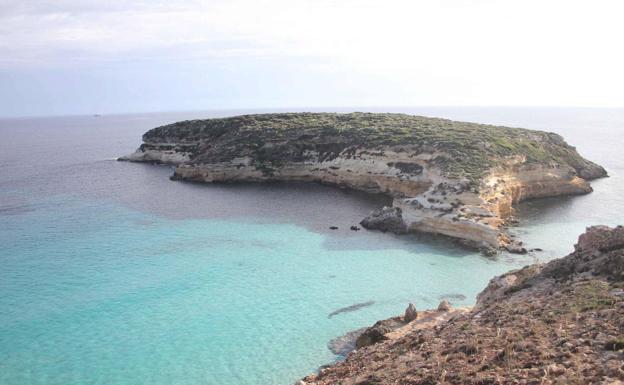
[{"x": 296, "y": 109}]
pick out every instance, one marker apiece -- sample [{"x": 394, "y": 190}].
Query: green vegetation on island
[{"x": 464, "y": 150}]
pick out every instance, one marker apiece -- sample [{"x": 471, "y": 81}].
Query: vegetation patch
[{"x": 591, "y": 296}]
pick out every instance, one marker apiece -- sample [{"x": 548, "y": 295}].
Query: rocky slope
[
  {"x": 451, "y": 178},
  {"x": 555, "y": 323}
]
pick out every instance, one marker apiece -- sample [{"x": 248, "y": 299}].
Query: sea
[{"x": 110, "y": 273}]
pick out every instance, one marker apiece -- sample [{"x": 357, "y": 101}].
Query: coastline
[
  {"x": 549, "y": 223},
  {"x": 552, "y": 323}
]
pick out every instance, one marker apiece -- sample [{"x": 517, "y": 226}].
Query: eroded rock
[
  {"x": 378, "y": 332},
  {"x": 386, "y": 219}
]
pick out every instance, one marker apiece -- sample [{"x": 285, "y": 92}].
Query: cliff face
[
  {"x": 451, "y": 178},
  {"x": 558, "y": 323}
]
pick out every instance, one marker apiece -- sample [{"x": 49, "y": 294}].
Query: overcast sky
[{"x": 81, "y": 56}]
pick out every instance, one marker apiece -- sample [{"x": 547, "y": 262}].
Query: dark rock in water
[
  {"x": 536, "y": 249},
  {"x": 410, "y": 313},
  {"x": 345, "y": 344},
  {"x": 333, "y": 227},
  {"x": 516, "y": 248},
  {"x": 455, "y": 296},
  {"x": 351, "y": 308},
  {"x": 355, "y": 228},
  {"x": 386, "y": 219},
  {"x": 488, "y": 251}
]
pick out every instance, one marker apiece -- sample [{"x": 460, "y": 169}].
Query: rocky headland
[
  {"x": 451, "y": 178},
  {"x": 556, "y": 323}
]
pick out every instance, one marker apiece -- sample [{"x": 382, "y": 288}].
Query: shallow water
[{"x": 112, "y": 274}]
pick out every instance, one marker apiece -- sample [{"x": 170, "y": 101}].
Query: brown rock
[
  {"x": 410, "y": 313},
  {"x": 444, "y": 305},
  {"x": 602, "y": 238}
]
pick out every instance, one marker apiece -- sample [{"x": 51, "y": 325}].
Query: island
[
  {"x": 556, "y": 323},
  {"x": 455, "y": 179}
]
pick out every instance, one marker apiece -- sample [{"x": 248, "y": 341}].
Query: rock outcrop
[
  {"x": 398, "y": 327},
  {"x": 410, "y": 313},
  {"x": 555, "y": 323},
  {"x": 451, "y": 178},
  {"x": 385, "y": 219},
  {"x": 444, "y": 305}
]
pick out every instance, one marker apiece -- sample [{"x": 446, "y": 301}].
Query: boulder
[
  {"x": 444, "y": 305},
  {"x": 386, "y": 219},
  {"x": 410, "y": 313}
]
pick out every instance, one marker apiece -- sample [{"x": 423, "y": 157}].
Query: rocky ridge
[
  {"x": 556, "y": 323},
  {"x": 451, "y": 178}
]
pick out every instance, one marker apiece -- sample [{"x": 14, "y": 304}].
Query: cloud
[
  {"x": 349, "y": 29},
  {"x": 424, "y": 52}
]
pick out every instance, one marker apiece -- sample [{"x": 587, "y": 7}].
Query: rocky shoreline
[
  {"x": 556, "y": 323},
  {"x": 455, "y": 179}
]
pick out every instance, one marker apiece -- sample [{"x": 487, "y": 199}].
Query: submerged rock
[
  {"x": 351, "y": 308},
  {"x": 345, "y": 344},
  {"x": 452, "y": 296}
]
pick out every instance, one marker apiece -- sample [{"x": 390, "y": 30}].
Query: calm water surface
[{"x": 112, "y": 274}]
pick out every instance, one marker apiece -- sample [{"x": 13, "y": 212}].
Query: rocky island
[
  {"x": 555, "y": 323},
  {"x": 451, "y": 178}
]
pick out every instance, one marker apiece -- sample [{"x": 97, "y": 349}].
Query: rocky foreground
[
  {"x": 451, "y": 178},
  {"x": 555, "y": 323}
]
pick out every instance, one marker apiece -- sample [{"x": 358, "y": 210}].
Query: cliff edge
[
  {"x": 555, "y": 323},
  {"x": 451, "y": 178}
]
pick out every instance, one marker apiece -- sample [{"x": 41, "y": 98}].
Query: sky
[{"x": 82, "y": 57}]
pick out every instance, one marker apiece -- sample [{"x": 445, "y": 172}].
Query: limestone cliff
[
  {"x": 451, "y": 178},
  {"x": 556, "y": 323}
]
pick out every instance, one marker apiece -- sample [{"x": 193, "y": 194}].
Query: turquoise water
[
  {"x": 110, "y": 295},
  {"x": 112, "y": 274}
]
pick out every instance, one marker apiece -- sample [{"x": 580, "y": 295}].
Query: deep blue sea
[{"x": 112, "y": 274}]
